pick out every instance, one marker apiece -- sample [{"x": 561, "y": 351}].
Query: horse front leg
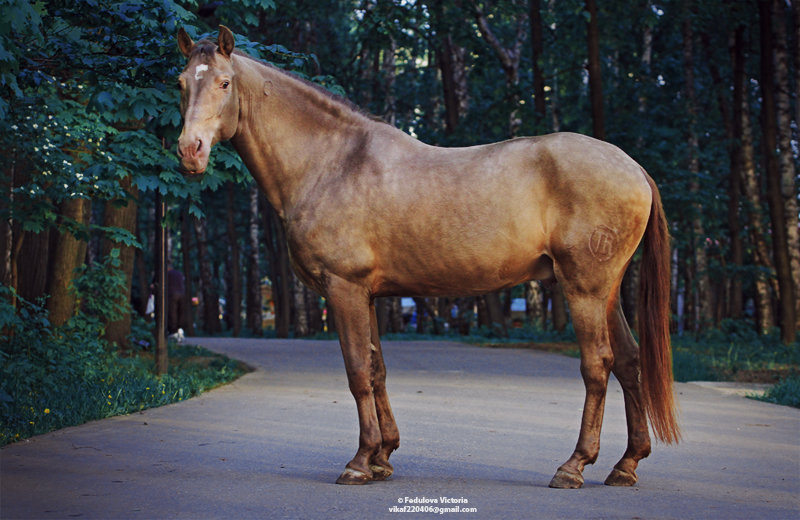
[
  {"x": 351, "y": 306},
  {"x": 390, "y": 435},
  {"x": 591, "y": 328},
  {"x": 628, "y": 371}
]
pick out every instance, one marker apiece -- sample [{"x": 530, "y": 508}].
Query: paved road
[{"x": 486, "y": 425}]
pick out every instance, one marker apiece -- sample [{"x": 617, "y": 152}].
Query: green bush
[
  {"x": 52, "y": 378},
  {"x": 721, "y": 354},
  {"x": 785, "y": 392}
]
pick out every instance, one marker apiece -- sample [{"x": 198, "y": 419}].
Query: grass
[
  {"x": 786, "y": 392},
  {"x": 120, "y": 385}
]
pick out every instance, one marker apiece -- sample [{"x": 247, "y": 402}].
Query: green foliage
[
  {"x": 50, "y": 379},
  {"x": 785, "y": 392},
  {"x": 722, "y": 354}
]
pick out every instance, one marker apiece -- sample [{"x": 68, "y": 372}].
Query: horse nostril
[
  {"x": 180, "y": 152},
  {"x": 199, "y": 145}
]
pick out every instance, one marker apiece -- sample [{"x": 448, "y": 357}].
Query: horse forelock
[{"x": 204, "y": 51}]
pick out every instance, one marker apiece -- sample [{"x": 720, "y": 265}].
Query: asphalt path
[{"x": 484, "y": 428}]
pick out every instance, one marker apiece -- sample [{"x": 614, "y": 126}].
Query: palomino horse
[{"x": 370, "y": 211}]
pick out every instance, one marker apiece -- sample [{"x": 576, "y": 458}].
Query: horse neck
[{"x": 289, "y": 134}]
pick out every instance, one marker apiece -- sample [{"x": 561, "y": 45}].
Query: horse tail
[{"x": 653, "y": 318}]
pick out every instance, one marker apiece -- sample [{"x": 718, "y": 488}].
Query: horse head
[{"x": 209, "y": 100}]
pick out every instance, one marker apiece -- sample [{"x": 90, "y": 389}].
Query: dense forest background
[{"x": 703, "y": 94}]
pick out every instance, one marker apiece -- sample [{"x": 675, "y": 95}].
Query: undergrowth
[
  {"x": 786, "y": 392},
  {"x": 734, "y": 352},
  {"x": 51, "y": 378}
]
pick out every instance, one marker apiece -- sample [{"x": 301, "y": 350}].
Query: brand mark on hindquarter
[{"x": 602, "y": 243}]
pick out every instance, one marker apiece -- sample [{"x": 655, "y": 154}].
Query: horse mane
[{"x": 208, "y": 48}]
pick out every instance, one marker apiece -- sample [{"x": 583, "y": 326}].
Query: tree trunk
[
  {"x": 537, "y": 53},
  {"x": 254, "y": 314},
  {"x": 796, "y": 20},
  {"x": 234, "y": 299},
  {"x": 595, "y": 78},
  {"x": 382, "y": 312},
  {"x": 785, "y": 159},
  {"x": 186, "y": 249},
  {"x": 7, "y": 225},
  {"x": 702, "y": 295},
  {"x": 735, "y": 188},
  {"x": 780, "y": 249},
  {"x": 494, "y": 314},
  {"x": 728, "y": 293},
  {"x": 123, "y": 217},
  {"x": 211, "y": 323},
  {"x": 765, "y": 318},
  {"x": 451, "y": 60},
  {"x": 68, "y": 255}
]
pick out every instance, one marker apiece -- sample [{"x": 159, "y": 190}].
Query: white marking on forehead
[{"x": 197, "y": 71}]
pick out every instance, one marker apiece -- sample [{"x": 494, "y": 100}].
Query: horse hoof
[
  {"x": 564, "y": 480},
  {"x": 381, "y": 472},
  {"x": 353, "y": 477},
  {"x": 617, "y": 477}
]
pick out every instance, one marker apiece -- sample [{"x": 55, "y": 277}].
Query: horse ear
[
  {"x": 185, "y": 42},
  {"x": 225, "y": 41}
]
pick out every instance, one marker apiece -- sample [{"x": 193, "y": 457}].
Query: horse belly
[{"x": 460, "y": 265}]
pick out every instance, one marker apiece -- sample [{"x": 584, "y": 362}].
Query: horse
[{"x": 370, "y": 211}]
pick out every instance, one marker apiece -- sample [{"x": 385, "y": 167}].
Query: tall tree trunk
[
  {"x": 254, "y": 314},
  {"x": 780, "y": 248},
  {"x": 7, "y": 226},
  {"x": 735, "y": 184},
  {"x": 211, "y": 323},
  {"x": 595, "y": 78},
  {"x": 765, "y": 318},
  {"x": 389, "y": 75},
  {"x": 796, "y": 20},
  {"x": 702, "y": 295},
  {"x": 451, "y": 60},
  {"x": 122, "y": 216},
  {"x": 728, "y": 299},
  {"x": 785, "y": 159},
  {"x": 234, "y": 299},
  {"x": 537, "y": 56},
  {"x": 186, "y": 250},
  {"x": 68, "y": 255}
]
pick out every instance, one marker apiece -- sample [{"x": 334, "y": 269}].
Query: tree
[
  {"x": 786, "y": 161},
  {"x": 595, "y": 74},
  {"x": 234, "y": 281},
  {"x": 702, "y": 294},
  {"x": 780, "y": 246},
  {"x": 253, "y": 266}
]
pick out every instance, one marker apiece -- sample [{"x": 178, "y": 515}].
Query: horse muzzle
[{"x": 194, "y": 154}]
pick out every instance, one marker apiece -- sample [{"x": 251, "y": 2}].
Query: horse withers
[{"x": 369, "y": 211}]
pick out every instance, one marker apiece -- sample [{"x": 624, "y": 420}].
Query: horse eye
[{"x": 225, "y": 84}]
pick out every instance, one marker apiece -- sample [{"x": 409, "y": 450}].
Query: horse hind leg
[
  {"x": 591, "y": 327},
  {"x": 390, "y": 435},
  {"x": 627, "y": 370}
]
